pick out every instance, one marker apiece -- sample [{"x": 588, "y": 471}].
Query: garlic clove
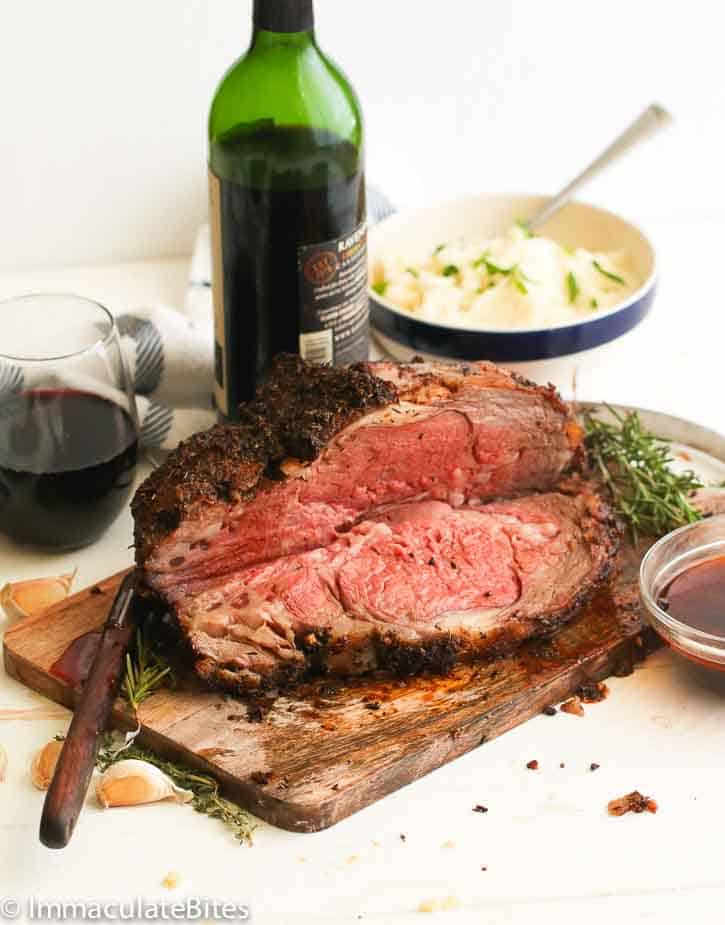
[
  {"x": 44, "y": 762},
  {"x": 22, "y": 598},
  {"x": 3, "y": 764},
  {"x": 133, "y": 782}
]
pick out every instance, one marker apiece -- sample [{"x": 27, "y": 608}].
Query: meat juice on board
[{"x": 287, "y": 205}]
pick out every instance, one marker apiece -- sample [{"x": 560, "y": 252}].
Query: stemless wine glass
[{"x": 68, "y": 423}]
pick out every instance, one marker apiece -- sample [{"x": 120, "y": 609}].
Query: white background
[{"x": 104, "y": 108}]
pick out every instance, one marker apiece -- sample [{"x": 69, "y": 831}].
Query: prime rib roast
[{"x": 385, "y": 516}]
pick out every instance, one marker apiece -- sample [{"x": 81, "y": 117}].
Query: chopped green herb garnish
[
  {"x": 515, "y": 273},
  {"x": 518, "y": 277},
  {"x": 528, "y": 233},
  {"x": 450, "y": 270},
  {"x": 573, "y": 287},
  {"x": 612, "y": 276},
  {"x": 517, "y": 269},
  {"x": 438, "y": 249},
  {"x": 635, "y": 466},
  {"x": 412, "y": 271},
  {"x": 493, "y": 268},
  {"x": 594, "y": 303},
  {"x": 380, "y": 287}
]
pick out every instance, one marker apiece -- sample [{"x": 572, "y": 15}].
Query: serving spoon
[{"x": 648, "y": 123}]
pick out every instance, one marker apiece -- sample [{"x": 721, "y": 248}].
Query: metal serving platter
[{"x": 693, "y": 446}]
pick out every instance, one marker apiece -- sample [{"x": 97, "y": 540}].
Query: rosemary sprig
[
  {"x": 146, "y": 672},
  {"x": 207, "y": 798},
  {"x": 635, "y": 466}
]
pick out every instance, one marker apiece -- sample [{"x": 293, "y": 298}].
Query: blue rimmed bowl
[{"x": 576, "y": 225}]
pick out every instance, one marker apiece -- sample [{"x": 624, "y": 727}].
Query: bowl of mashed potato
[{"x": 468, "y": 280}]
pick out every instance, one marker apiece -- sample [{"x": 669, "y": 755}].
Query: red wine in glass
[{"x": 67, "y": 460}]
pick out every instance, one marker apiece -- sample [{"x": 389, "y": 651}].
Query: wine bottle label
[
  {"x": 217, "y": 289},
  {"x": 333, "y": 285}
]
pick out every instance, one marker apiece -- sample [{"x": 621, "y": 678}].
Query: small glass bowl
[{"x": 670, "y": 556}]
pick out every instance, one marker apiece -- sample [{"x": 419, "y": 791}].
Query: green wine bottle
[{"x": 287, "y": 203}]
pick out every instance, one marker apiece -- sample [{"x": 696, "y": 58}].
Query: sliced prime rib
[
  {"x": 418, "y": 585},
  {"x": 322, "y": 448},
  {"x": 347, "y": 523}
]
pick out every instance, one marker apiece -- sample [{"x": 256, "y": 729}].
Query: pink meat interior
[
  {"x": 468, "y": 454},
  {"x": 417, "y": 564}
]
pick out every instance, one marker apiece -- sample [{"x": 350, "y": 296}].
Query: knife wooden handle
[{"x": 76, "y": 761}]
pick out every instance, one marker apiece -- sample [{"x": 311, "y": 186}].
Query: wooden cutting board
[{"x": 305, "y": 761}]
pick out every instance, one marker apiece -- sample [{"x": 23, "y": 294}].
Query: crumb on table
[
  {"x": 438, "y": 905},
  {"x": 594, "y": 692},
  {"x": 633, "y": 802},
  {"x": 573, "y": 705}
]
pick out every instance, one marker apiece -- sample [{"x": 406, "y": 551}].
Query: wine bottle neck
[{"x": 288, "y": 16}]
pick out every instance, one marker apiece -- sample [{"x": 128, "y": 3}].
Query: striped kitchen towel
[{"x": 169, "y": 354}]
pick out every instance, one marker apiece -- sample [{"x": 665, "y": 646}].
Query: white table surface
[{"x": 551, "y": 852}]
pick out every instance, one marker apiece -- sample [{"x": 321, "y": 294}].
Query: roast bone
[{"x": 303, "y": 537}]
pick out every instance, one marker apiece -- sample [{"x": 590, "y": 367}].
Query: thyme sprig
[
  {"x": 146, "y": 672},
  {"x": 636, "y": 467},
  {"x": 207, "y": 799}
]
